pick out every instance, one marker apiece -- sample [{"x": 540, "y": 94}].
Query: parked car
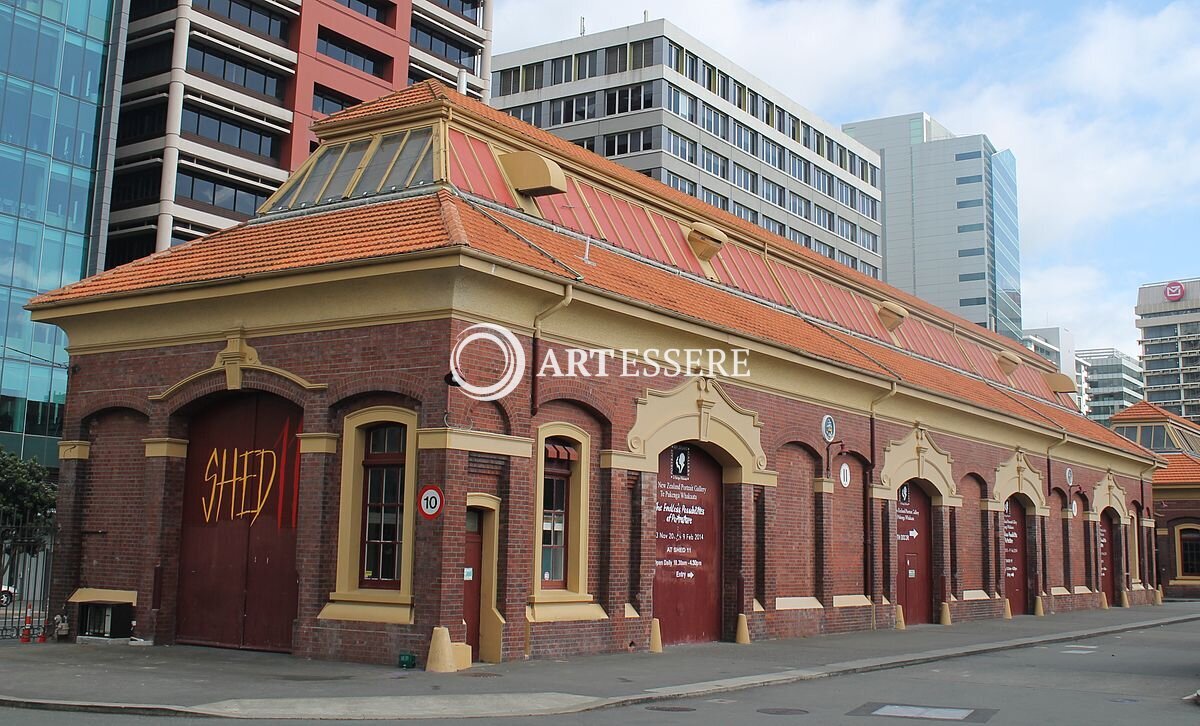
[{"x": 7, "y": 595}]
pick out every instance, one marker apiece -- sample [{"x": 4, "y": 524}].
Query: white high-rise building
[
  {"x": 1169, "y": 322},
  {"x": 1057, "y": 345},
  {"x": 1114, "y": 382}
]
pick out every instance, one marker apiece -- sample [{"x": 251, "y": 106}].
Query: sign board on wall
[{"x": 1174, "y": 291}]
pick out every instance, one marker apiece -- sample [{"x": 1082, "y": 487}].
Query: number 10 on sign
[{"x": 430, "y": 501}]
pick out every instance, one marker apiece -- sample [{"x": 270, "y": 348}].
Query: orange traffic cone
[
  {"x": 27, "y": 631},
  {"x": 42, "y": 635}
]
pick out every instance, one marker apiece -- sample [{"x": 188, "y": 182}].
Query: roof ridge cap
[{"x": 451, "y": 219}]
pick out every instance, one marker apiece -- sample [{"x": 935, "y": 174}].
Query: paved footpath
[{"x": 181, "y": 680}]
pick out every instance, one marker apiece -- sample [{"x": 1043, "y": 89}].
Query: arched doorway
[
  {"x": 1016, "y": 578},
  {"x": 237, "y": 555},
  {"x": 1108, "y": 546},
  {"x": 687, "y": 575},
  {"x": 914, "y": 552}
]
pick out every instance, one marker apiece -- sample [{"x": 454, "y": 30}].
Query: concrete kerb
[{"x": 584, "y": 703}]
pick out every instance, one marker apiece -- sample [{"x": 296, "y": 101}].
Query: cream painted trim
[
  {"x": 1065, "y": 513},
  {"x": 1148, "y": 523},
  {"x": 1161, "y": 531},
  {"x": 1091, "y": 516},
  {"x": 1108, "y": 493},
  {"x": 697, "y": 410},
  {"x": 238, "y": 356},
  {"x": 758, "y": 607},
  {"x": 1179, "y": 550},
  {"x": 317, "y": 443},
  {"x": 561, "y": 612},
  {"x": 366, "y": 612},
  {"x": 349, "y": 565},
  {"x": 1056, "y": 590},
  {"x": 631, "y": 611},
  {"x": 103, "y": 596},
  {"x": 850, "y": 601},
  {"x": 824, "y": 485},
  {"x": 798, "y": 603},
  {"x": 987, "y": 505},
  {"x": 578, "y": 516},
  {"x": 74, "y": 450},
  {"x": 1082, "y": 590},
  {"x": 166, "y": 448},
  {"x": 917, "y": 456},
  {"x": 479, "y": 441},
  {"x": 1016, "y": 477},
  {"x": 491, "y": 622},
  {"x": 975, "y": 595}
]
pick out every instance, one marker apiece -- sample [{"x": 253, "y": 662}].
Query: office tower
[
  {"x": 219, "y": 95},
  {"x": 660, "y": 102},
  {"x": 57, "y": 80},
  {"x": 950, "y": 218},
  {"x": 1169, "y": 321},
  {"x": 1057, "y": 345},
  {"x": 1114, "y": 382}
]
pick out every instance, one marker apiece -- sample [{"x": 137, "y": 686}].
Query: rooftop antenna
[
  {"x": 582, "y": 26},
  {"x": 645, "y": 16}
]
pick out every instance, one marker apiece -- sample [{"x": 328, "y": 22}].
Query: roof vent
[
  {"x": 891, "y": 314},
  {"x": 533, "y": 174},
  {"x": 706, "y": 240},
  {"x": 1060, "y": 383},
  {"x": 1008, "y": 361}
]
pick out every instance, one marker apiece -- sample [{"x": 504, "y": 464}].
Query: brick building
[
  {"x": 1176, "y": 491},
  {"x": 257, "y": 419}
]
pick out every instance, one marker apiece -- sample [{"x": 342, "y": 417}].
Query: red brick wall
[
  {"x": 969, "y": 535},
  {"x": 793, "y": 536},
  {"x": 848, "y": 531},
  {"x": 1054, "y": 539}
]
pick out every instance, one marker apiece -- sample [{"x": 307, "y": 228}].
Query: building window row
[
  {"x": 353, "y": 54},
  {"x": 680, "y": 146},
  {"x": 572, "y": 109},
  {"x": 687, "y": 186},
  {"x": 628, "y": 142},
  {"x": 247, "y": 15},
  {"x": 140, "y": 123},
  {"x": 977, "y": 227},
  {"x": 443, "y": 46},
  {"x": 681, "y": 104},
  {"x": 237, "y": 72},
  {"x": 628, "y": 99},
  {"x": 329, "y": 101},
  {"x": 222, "y": 194},
  {"x": 719, "y": 201},
  {"x": 530, "y": 113},
  {"x": 468, "y": 9},
  {"x": 377, "y": 11},
  {"x": 228, "y": 132},
  {"x": 969, "y": 203}
]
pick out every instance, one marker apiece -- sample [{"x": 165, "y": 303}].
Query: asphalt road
[{"x": 1135, "y": 677}]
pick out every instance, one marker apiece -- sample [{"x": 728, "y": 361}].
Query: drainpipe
[
  {"x": 567, "y": 298},
  {"x": 1050, "y": 468},
  {"x": 868, "y": 510}
]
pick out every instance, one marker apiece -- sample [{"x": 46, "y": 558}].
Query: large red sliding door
[
  {"x": 1016, "y": 587},
  {"x": 1108, "y": 570},
  {"x": 914, "y": 582},
  {"x": 237, "y": 559},
  {"x": 687, "y": 574}
]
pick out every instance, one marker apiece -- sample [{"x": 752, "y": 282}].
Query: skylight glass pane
[
  {"x": 316, "y": 179},
  {"x": 345, "y": 170},
  {"x": 379, "y": 164},
  {"x": 412, "y": 153}
]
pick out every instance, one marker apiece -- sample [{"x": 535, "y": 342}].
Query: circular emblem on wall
[
  {"x": 844, "y": 475},
  {"x": 828, "y": 428},
  {"x": 904, "y": 494},
  {"x": 1173, "y": 291},
  {"x": 1070, "y": 476},
  {"x": 1074, "y": 508}
]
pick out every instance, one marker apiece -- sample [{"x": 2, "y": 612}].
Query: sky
[{"x": 1100, "y": 103}]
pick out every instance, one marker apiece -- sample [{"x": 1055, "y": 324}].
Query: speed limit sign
[{"x": 430, "y": 501}]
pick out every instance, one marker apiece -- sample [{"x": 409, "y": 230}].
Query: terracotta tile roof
[
  {"x": 1181, "y": 469},
  {"x": 432, "y": 90},
  {"x": 1146, "y": 411}
]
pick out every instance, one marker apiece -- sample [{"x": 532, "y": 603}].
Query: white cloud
[{"x": 1086, "y": 300}]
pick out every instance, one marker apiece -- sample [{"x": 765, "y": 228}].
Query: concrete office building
[
  {"x": 57, "y": 72},
  {"x": 219, "y": 96},
  {"x": 950, "y": 215},
  {"x": 660, "y": 102},
  {"x": 1169, "y": 321},
  {"x": 1057, "y": 345},
  {"x": 1115, "y": 382}
]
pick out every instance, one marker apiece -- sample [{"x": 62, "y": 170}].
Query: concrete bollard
[
  {"x": 441, "y": 653},
  {"x": 1124, "y": 598},
  {"x": 1158, "y": 595},
  {"x": 655, "y": 636},
  {"x": 1007, "y": 610},
  {"x": 900, "y": 618},
  {"x": 743, "y": 630},
  {"x": 1103, "y": 600},
  {"x": 944, "y": 615},
  {"x": 1039, "y": 610}
]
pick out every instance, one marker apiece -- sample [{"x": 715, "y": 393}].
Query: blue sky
[{"x": 1099, "y": 102}]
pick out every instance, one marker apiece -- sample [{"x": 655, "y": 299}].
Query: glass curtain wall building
[{"x": 55, "y": 87}]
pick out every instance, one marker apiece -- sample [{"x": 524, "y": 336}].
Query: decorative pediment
[
  {"x": 236, "y": 357},
  {"x": 698, "y": 410},
  {"x": 917, "y": 456},
  {"x": 1017, "y": 477},
  {"x": 1109, "y": 494}
]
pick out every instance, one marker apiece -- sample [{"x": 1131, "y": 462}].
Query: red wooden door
[
  {"x": 687, "y": 574},
  {"x": 1016, "y": 586},
  {"x": 237, "y": 558},
  {"x": 914, "y": 586},
  {"x": 1108, "y": 580},
  {"x": 473, "y": 579}
]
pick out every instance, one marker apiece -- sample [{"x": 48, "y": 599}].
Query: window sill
[
  {"x": 369, "y": 606},
  {"x": 557, "y": 606}
]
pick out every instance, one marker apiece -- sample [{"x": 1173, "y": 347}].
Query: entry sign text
[{"x": 430, "y": 501}]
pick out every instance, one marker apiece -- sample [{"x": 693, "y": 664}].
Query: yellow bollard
[
  {"x": 441, "y": 653},
  {"x": 1158, "y": 595},
  {"x": 1103, "y": 600},
  {"x": 655, "y": 636},
  {"x": 944, "y": 615},
  {"x": 1007, "y": 610},
  {"x": 1124, "y": 598},
  {"x": 743, "y": 630},
  {"x": 900, "y": 618},
  {"x": 1039, "y": 610}
]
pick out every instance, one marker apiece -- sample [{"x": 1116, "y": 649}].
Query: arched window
[{"x": 561, "y": 457}]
